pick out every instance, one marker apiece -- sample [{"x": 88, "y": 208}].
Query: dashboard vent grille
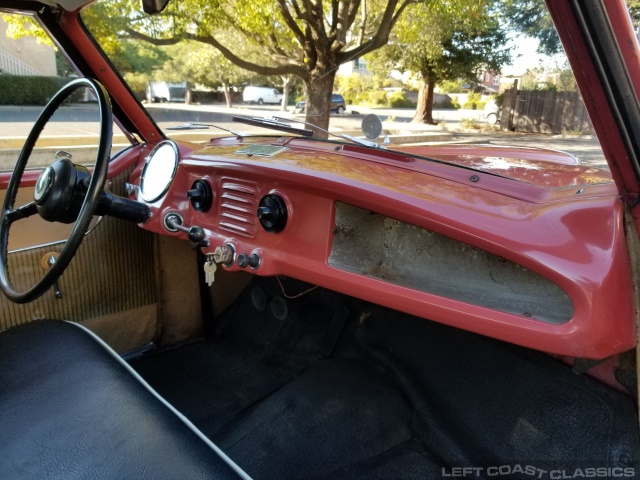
[{"x": 238, "y": 204}]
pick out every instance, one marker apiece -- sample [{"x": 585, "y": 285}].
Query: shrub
[
  {"x": 399, "y": 100},
  {"x": 138, "y": 84},
  {"x": 378, "y": 97},
  {"x": 354, "y": 88},
  {"x": 452, "y": 86},
  {"x": 473, "y": 102},
  {"x": 470, "y": 123},
  {"x": 442, "y": 100},
  {"x": 455, "y": 103},
  {"x": 27, "y": 90}
]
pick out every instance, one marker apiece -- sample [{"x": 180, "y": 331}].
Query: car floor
[{"x": 324, "y": 386}]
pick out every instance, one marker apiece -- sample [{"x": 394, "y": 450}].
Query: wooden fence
[{"x": 544, "y": 112}]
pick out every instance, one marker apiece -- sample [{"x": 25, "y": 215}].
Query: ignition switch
[{"x": 224, "y": 254}]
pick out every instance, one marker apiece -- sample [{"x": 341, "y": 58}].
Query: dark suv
[{"x": 338, "y": 104}]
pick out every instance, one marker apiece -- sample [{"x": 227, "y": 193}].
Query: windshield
[
  {"x": 32, "y": 70},
  {"x": 494, "y": 80}
]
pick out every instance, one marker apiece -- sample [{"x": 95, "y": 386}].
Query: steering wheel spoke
[
  {"x": 55, "y": 195},
  {"x": 25, "y": 211}
]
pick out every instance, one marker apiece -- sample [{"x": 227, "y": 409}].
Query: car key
[{"x": 209, "y": 270}]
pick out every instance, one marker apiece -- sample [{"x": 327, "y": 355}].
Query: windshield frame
[{"x": 75, "y": 41}]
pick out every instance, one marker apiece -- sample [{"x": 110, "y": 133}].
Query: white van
[
  {"x": 166, "y": 92},
  {"x": 261, "y": 95}
]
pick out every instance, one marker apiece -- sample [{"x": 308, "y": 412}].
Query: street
[{"x": 77, "y": 121}]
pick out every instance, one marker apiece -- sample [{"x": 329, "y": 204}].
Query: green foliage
[
  {"x": 355, "y": 88},
  {"x": 445, "y": 40},
  {"x": 27, "y": 90},
  {"x": 473, "y": 102},
  {"x": 399, "y": 100},
  {"x": 455, "y": 103},
  {"x": 452, "y": 86},
  {"x": 308, "y": 41},
  {"x": 377, "y": 98},
  {"x": 200, "y": 64},
  {"x": 531, "y": 18},
  {"x": 22, "y": 26},
  {"x": 138, "y": 84}
]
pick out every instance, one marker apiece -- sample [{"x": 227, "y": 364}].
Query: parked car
[
  {"x": 338, "y": 104},
  {"x": 261, "y": 95},
  {"x": 279, "y": 306}
]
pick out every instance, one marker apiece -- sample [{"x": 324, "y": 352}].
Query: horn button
[{"x": 60, "y": 191}]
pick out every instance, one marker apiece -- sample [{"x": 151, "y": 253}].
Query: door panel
[
  {"x": 112, "y": 273},
  {"x": 33, "y": 231}
]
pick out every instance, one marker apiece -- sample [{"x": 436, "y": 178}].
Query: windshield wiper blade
[
  {"x": 273, "y": 124},
  {"x": 204, "y": 126},
  {"x": 356, "y": 140}
]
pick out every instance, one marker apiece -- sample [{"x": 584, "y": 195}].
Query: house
[
  {"x": 490, "y": 80},
  {"x": 356, "y": 66}
]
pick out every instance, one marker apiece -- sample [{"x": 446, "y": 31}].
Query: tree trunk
[
  {"x": 286, "y": 86},
  {"x": 227, "y": 93},
  {"x": 424, "y": 109},
  {"x": 187, "y": 93},
  {"x": 317, "y": 92}
]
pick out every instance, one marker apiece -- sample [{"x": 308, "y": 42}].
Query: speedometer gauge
[{"x": 159, "y": 171}]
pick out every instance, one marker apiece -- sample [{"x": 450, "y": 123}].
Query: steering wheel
[{"x": 64, "y": 192}]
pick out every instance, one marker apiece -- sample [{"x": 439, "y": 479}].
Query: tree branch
[
  {"x": 292, "y": 67},
  {"x": 352, "y": 13},
  {"x": 290, "y": 21},
  {"x": 363, "y": 22},
  {"x": 381, "y": 37},
  {"x": 314, "y": 16}
]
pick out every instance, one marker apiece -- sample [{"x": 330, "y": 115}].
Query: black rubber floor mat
[{"x": 398, "y": 397}]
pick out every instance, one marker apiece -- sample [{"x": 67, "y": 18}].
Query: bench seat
[{"x": 71, "y": 408}]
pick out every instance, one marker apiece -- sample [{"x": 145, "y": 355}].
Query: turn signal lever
[
  {"x": 123, "y": 208},
  {"x": 196, "y": 235}
]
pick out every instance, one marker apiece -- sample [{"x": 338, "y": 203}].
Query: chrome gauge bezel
[{"x": 152, "y": 192}]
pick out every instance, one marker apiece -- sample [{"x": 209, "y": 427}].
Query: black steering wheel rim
[{"x": 94, "y": 190}]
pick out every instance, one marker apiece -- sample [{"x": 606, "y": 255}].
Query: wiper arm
[
  {"x": 273, "y": 124},
  {"x": 204, "y": 126},
  {"x": 359, "y": 141}
]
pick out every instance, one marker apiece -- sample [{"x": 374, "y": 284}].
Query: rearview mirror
[{"x": 154, "y": 6}]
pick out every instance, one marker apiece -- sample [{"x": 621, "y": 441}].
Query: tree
[
  {"x": 455, "y": 39},
  {"x": 197, "y": 63},
  {"x": 304, "y": 38},
  {"x": 531, "y": 18}
]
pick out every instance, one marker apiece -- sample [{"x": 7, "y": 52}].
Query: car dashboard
[{"x": 511, "y": 258}]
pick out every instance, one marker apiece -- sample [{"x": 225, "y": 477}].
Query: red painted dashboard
[{"x": 556, "y": 225}]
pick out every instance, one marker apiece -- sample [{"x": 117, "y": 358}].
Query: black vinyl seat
[{"x": 70, "y": 408}]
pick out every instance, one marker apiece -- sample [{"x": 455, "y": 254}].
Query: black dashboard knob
[
  {"x": 272, "y": 212},
  {"x": 245, "y": 260},
  {"x": 200, "y": 195},
  {"x": 264, "y": 212}
]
